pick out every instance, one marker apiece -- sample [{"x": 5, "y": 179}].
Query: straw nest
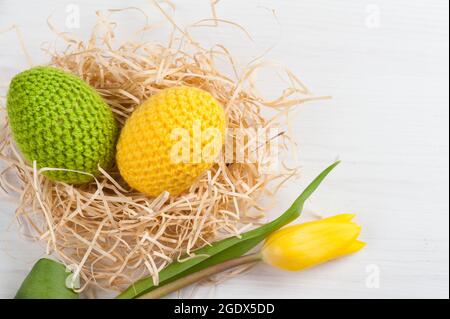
[{"x": 110, "y": 234}]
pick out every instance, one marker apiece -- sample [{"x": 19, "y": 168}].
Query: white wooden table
[{"x": 386, "y": 65}]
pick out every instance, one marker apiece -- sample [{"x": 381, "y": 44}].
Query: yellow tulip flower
[{"x": 306, "y": 245}]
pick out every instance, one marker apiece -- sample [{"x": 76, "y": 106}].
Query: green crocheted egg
[{"x": 59, "y": 121}]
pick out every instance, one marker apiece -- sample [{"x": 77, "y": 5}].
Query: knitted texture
[
  {"x": 144, "y": 150},
  {"x": 59, "y": 121}
]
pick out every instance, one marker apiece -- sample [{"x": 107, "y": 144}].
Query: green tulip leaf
[
  {"x": 226, "y": 249},
  {"x": 47, "y": 280}
]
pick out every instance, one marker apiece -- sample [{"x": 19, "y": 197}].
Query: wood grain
[{"x": 386, "y": 65}]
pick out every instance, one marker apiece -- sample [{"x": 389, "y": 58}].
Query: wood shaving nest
[{"x": 111, "y": 235}]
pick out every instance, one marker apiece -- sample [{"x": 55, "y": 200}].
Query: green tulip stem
[{"x": 200, "y": 275}]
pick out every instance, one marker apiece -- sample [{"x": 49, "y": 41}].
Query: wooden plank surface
[{"x": 386, "y": 65}]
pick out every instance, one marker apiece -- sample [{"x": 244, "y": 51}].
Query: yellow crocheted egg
[{"x": 170, "y": 140}]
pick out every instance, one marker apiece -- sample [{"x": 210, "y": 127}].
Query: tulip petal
[
  {"x": 343, "y": 218},
  {"x": 353, "y": 248},
  {"x": 340, "y": 218},
  {"x": 305, "y": 245}
]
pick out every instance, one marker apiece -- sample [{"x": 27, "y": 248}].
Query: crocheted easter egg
[
  {"x": 60, "y": 122},
  {"x": 163, "y": 144}
]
